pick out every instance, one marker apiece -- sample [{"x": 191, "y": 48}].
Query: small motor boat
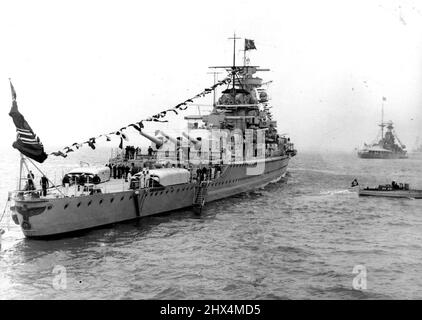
[{"x": 393, "y": 190}]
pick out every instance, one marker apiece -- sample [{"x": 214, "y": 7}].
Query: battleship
[
  {"x": 386, "y": 147},
  {"x": 233, "y": 149}
]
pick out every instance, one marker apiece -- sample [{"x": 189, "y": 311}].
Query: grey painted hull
[
  {"x": 371, "y": 155},
  {"x": 45, "y": 218}
]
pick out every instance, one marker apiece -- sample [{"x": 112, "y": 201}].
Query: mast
[
  {"x": 382, "y": 124},
  {"x": 215, "y": 81},
  {"x": 234, "y": 62},
  {"x": 20, "y": 172},
  {"x": 382, "y": 121}
]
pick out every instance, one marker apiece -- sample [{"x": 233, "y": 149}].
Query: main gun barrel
[
  {"x": 158, "y": 142},
  {"x": 195, "y": 142},
  {"x": 168, "y": 137}
]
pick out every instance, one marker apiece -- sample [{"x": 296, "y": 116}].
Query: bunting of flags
[{"x": 139, "y": 125}]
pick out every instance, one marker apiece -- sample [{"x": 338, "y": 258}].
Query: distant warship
[
  {"x": 233, "y": 149},
  {"x": 386, "y": 147}
]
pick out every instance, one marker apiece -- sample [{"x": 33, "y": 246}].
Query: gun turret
[{"x": 158, "y": 143}]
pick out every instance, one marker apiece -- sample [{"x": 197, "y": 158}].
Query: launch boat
[
  {"x": 233, "y": 149},
  {"x": 394, "y": 190},
  {"x": 386, "y": 147}
]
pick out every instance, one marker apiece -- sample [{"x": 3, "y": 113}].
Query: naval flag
[
  {"x": 27, "y": 141},
  {"x": 249, "y": 44}
]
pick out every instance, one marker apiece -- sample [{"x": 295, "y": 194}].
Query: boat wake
[
  {"x": 338, "y": 192},
  {"x": 278, "y": 179}
]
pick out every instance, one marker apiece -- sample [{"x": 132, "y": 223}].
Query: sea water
[{"x": 307, "y": 236}]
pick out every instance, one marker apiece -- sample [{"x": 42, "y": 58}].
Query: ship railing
[
  {"x": 71, "y": 190},
  {"x": 140, "y": 157},
  {"x": 25, "y": 194},
  {"x": 250, "y": 105},
  {"x": 118, "y": 155}
]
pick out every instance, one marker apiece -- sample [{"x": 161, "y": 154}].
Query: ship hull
[
  {"x": 56, "y": 217},
  {"x": 370, "y": 155}
]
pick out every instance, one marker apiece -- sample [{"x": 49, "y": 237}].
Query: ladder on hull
[{"x": 200, "y": 197}]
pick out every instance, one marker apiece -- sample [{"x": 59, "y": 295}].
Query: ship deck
[{"x": 111, "y": 186}]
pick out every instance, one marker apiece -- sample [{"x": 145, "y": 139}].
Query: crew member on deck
[
  {"x": 132, "y": 169},
  {"x": 65, "y": 180},
  {"x": 119, "y": 171},
  {"x": 114, "y": 171},
  {"x": 30, "y": 184},
  {"x": 204, "y": 173},
  {"x": 198, "y": 174},
  {"x": 44, "y": 185},
  {"x": 82, "y": 181}
]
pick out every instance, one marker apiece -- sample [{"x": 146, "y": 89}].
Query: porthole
[
  {"x": 101, "y": 201},
  {"x": 122, "y": 198},
  {"x": 78, "y": 205},
  {"x": 66, "y": 205},
  {"x": 89, "y": 203},
  {"x": 130, "y": 198},
  {"x": 111, "y": 200},
  {"x": 49, "y": 207}
]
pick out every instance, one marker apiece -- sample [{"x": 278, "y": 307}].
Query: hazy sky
[{"x": 82, "y": 68}]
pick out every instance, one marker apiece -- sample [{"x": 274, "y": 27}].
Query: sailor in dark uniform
[
  {"x": 65, "y": 180},
  {"x": 132, "y": 169},
  {"x": 82, "y": 179},
  {"x": 30, "y": 183},
  {"x": 44, "y": 185},
  {"x": 114, "y": 171},
  {"x": 198, "y": 174},
  {"x": 119, "y": 171},
  {"x": 204, "y": 173}
]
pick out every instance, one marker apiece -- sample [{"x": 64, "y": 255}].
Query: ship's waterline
[{"x": 63, "y": 215}]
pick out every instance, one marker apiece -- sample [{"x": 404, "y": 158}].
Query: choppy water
[{"x": 298, "y": 238}]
